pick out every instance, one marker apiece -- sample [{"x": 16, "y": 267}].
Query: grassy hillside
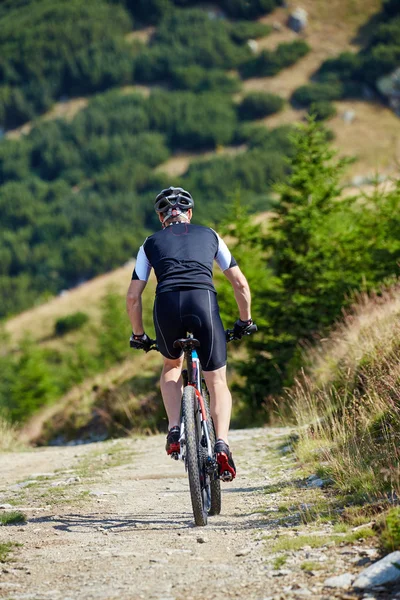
[
  {"x": 347, "y": 402},
  {"x": 210, "y": 112}
]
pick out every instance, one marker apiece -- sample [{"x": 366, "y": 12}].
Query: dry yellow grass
[
  {"x": 373, "y": 137},
  {"x": 348, "y": 404},
  {"x": 141, "y": 35},
  {"x": 80, "y": 399},
  {"x": 39, "y": 321},
  {"x": 178, "y": 164},
  {"x": 61, "y": 110}
]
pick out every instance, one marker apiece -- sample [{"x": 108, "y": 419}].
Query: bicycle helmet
[{"x": 173, "y": 198}]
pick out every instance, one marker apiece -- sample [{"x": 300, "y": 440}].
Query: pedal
[
  {"x": 174, "y": 455},
  {"x": 174, "y": 449},
  {"x": 211, "y": 466},
  {"x": 226, "y": 476}
]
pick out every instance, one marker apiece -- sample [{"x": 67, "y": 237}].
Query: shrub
[
  {"x": 69, "y": 46},
  {"x": 241, "y": 31},
  {"x": 269, "y": 62},
  {"x": 149, "y": 11},
  {"x": 258, "y": 105},
  {"x": 198, "y": 79},
  {"x": 380, "y": 61},
  {"x": 248, "y": 9},
  {"x": 69, "y": 323},
  {"x": 317, "y": 92},
  {"x": 344, "y": 67},
  {"x": 290, "y": 52},
  {"x": 13, "y": 517},
  {"x": 322, "y": 110}
]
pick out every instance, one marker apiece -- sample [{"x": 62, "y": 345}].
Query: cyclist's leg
[
  {"x": 171, "y": 389},
  {"x": 220, "y": 401},
  {"x": 168, "y": 327},
  {"x": 200, "y": 312}
]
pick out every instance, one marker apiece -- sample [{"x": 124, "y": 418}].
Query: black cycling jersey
[{"x": 182, "y": 257}]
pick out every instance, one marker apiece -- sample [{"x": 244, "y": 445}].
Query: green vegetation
[
  {"x": 309, "y": 94},
  {"x": 258, "y": 105},
  {"x": 37, "y": 376},
  {"x": 68, "y": 187},
  {"x": 269, "y": 62},
  {"x": 309, "y": 565},
  {"x": 49, "y": 50},
  {"x": 317, "y": 257},
  {"x": 322, "y": 110},
  {"x": 350, "y": 402},
  {"x": 152, "y": 11},
  {"x": 69, "y": 323},
  {"x": 390, "y": 530},
  {"x": 279, "y": 561},
  {"x": 14, "y": 517},
  {"x": 5, "y": 549},
  {"x": 292, "y": 544},
  {"x": 347, "y": 74}
]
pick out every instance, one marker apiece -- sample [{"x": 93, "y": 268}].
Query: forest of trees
[
  {"x": 66, "y": 188},
  {"x": 77, "y": 198}
]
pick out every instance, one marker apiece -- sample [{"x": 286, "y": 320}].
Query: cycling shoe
[{"x": 226, "y": 466}]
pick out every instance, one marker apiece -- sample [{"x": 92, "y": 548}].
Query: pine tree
[{"x": 300, "y": 304}]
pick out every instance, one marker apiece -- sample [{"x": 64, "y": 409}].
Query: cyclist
[{"x": 182, "y": 256}]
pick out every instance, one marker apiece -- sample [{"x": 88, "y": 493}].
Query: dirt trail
[{"x": 113, "y": 520}]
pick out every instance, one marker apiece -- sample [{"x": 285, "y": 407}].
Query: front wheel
[{"x": 193, "y": 457}]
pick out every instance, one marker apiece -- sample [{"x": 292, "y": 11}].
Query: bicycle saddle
[{"x": 186, "y": 343}]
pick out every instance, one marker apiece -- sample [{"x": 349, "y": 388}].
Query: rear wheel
[
  {"x": 193, "y": 455},
  {"x": 215, "y": 484}
]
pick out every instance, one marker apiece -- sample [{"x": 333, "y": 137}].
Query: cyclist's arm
[
  {"x": 134, "y": 305},
  {"x": 241, "y": 290},
  {"x": 140, "y": 276}
]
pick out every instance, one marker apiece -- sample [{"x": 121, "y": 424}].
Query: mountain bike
[{"x": 197, "y": 433}]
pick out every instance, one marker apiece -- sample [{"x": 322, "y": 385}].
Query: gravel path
[{"x": 113, "y": 520}]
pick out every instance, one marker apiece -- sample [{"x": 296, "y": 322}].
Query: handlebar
[{"x": 230, "y": 337}]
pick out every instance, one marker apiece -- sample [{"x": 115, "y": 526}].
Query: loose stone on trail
[
  {"x": 340, "y": 581},
  {"x": 386, "y": 570}
]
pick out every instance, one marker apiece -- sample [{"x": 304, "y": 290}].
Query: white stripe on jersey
[
  {"x": 142, "y": 267},
  {"x": 223, "y": 256}
]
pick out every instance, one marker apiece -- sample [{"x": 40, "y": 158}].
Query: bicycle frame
[{"x": 193, "y": 370}]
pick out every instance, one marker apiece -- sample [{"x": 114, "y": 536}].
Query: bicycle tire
[
  {"x": 189, "y": 401},
  {"x": 215, "y": 484}
]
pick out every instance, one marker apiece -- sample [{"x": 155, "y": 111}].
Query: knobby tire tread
[
  {"x": 189, "y": 401},
  {"x": 215, "y": 485}
]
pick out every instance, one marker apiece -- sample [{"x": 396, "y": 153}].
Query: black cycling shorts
[{"x": 195, "y": 311}]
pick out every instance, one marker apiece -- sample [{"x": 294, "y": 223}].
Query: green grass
[
  {"x": 12, "y": 518},
  {"x": 292, "y": 544},
  {"x": 5, "y": 549},
  {"x": 279, "y": 561},
  {"x": 310, "y": 565}
]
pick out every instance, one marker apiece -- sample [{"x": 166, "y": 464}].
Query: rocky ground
[{"x": 113, "y": 520}]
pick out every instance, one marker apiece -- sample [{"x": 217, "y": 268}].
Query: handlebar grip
[{"x": 251, "y": 329}]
